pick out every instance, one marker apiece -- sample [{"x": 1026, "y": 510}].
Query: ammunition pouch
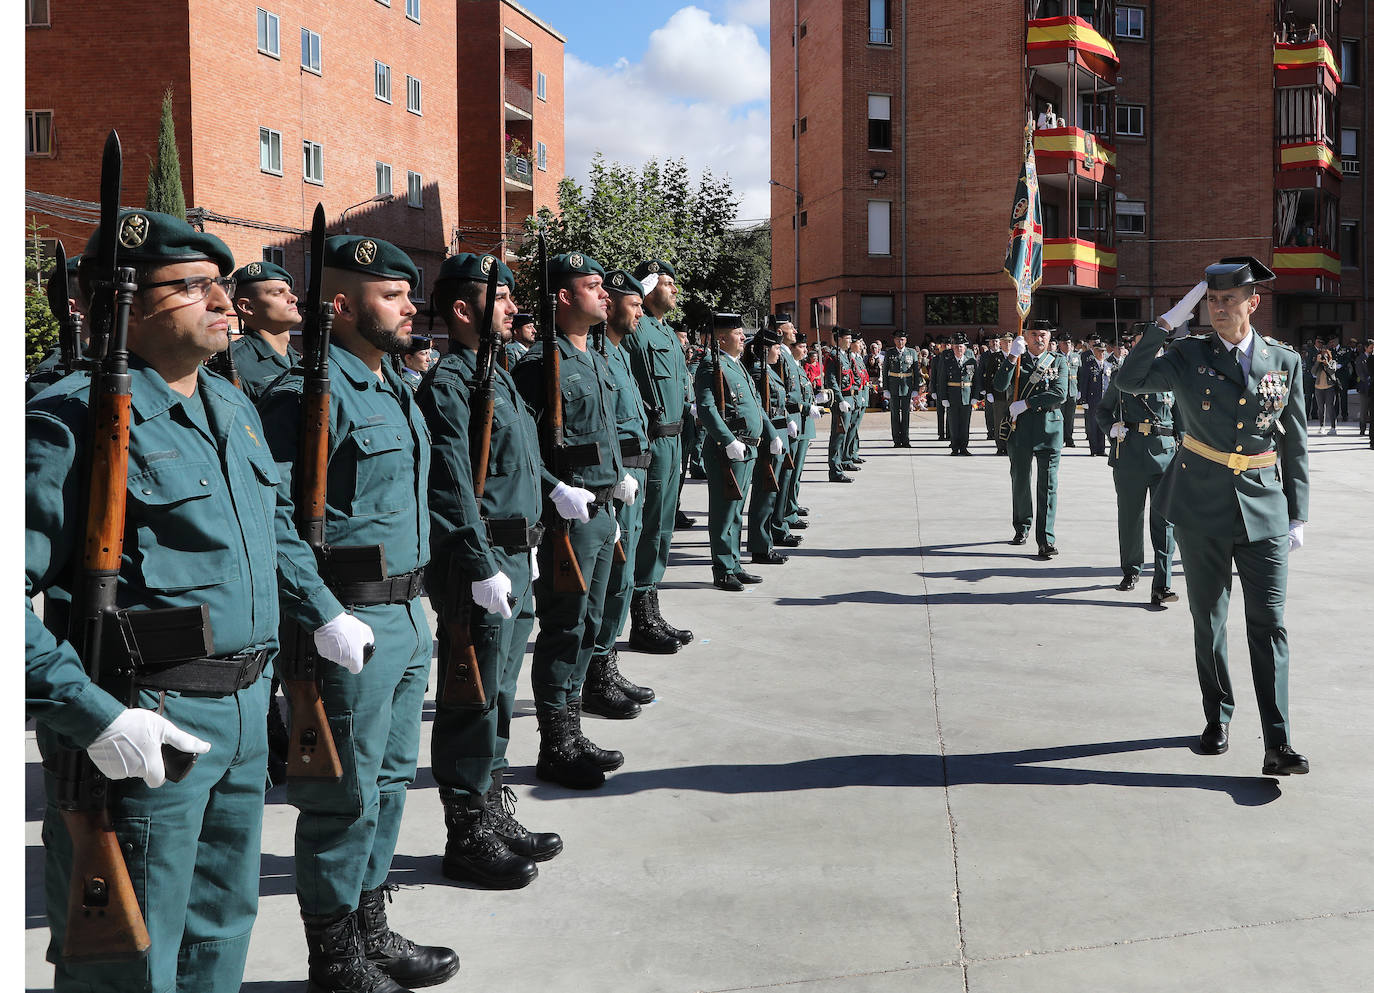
[
  {"x": 514, "y": 534},
  {"x": 578, "y": 456},
  {"x": 658, "y": 428},
  {"x": 171, "y": 649}
]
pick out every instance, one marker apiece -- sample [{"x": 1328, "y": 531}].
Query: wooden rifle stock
[
  {"x": 598, "y": 333},
  {"x": 770, "y": 477},
  {"x": 732, "y": 489}
]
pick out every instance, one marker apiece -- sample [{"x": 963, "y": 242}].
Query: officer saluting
[
  {"x": 266, "y": 305},
  {"x": 1236, "y": 490}
]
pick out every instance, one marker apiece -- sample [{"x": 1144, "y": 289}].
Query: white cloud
[
  {"x": 751, "y": 12},
  {"x": 681, "y": 105}
]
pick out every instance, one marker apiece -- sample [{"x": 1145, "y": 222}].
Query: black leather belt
[
  {"x": 778, "y": 422},
  {"x": 514, "y": 534},
  {"x": 1150, "y": 427},
  {"x": 642, "y": 461},
  {"x": 579, "y": 456},
  {"x": 670, "y": 429},
  {"x": 397, "y": 589},
  {"x": 215, "y": 676},
  {"x": 601, "y": 499},
  {"x": 794, "y": 408},
  {"x": 746, "y": 441}
]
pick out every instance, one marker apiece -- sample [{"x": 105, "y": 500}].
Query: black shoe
[
  {"x": 1162, "y": 596},
  {"x": 605, "y": 759},
  {"x": 728, "y": 582},
  {"x": 474, "y": 853},
  {"x": 1048, "y": 551},
  {"x": 683, "y": 635},
  {"x": 839, "y": 477},
  {"x": 1069, "y": 444},
  {"x": 803, "y": 511},
  {"x": 954, "y": 451},
  {"x": 1283, "y": 761},
  {"x": 1019, "y": 538},
  {"x": 697, "y": 473},
  {"x": 1127, "y": 584},
  {"x": 336, "y": 960},
  {"x": 859, "y": 460},
  {"x": 645, "y": 635},
  {"x": 400, "y": 958},
  {"x": 500, "y": 803},
  {"x": 639, "y": 694},
  {"x": 769, "y": 558},
  {"x": 963, "y": 451},
  {"x": 604, "y": 698},
  {"x": 560, "y": 757},
  {"x": 1213, "y": 740},
  {"x": 683, "y": 522},
  {"x": 789, "y": 540},
  {"x": 748, "y": 578},
  {"x": 799, "y": 525}
]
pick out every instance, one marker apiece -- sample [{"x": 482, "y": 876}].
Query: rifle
[
  {"x": 598, "y": 333},
  {"x": 68, "y": 323},
  {"x": 785, "y": 370},
  {"x": 567, "y": 576},
  {"x": 769, "y": 482},
  {"x": 311, "y": 755},
  {"x": 732, "y": 489},
  {"x": 224, "y": 364},
  {"x": 462, "y": 677}
]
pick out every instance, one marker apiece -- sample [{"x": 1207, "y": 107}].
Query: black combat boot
[
  {"x": 639, "y": 694},
  {"x": 605, "y": 759},
  {"x": 645, "y": 635},
  {"x": 560, "y": 759},
  {"x": 683, "y": 636},
  {"x": 400, "y": 958},
  {"x": 603, "y": 697},
  {"x": 337, "y": 962},
  {"x": 501, "y": 817},
  {"x": 474, "y": 852}
]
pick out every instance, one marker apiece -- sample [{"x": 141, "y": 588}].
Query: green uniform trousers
[
  {"x": 660, "y": 495},
  {"x": 569, "y": 622},
  {"x": 957, "y": 421},
  {"x": 468, "y": 742},
  {"x": 346, "y": 831},
  {"x": 763, "y": 505},
  {"x": 620, "y": 584},
  {"x": 794, "y": 478},
  {"x": 1046, "y": 487},
  {"x": 899, "y": 414},
  {"x": 839, "y": 429},
  {"x": 1131, "y": 490},
  {"x": 851, "y": 430},
  {"x": 779, "y": 524},
  {"x": 192, "y": 849},
  {"x": 725, "y": 515},
  {"x": 1263, "y": 570}
]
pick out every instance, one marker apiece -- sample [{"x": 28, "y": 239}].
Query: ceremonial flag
[{"x": 1025, "y": 241}]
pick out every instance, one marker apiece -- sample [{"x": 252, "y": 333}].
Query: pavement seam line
[{"x": 826, "y": 979}]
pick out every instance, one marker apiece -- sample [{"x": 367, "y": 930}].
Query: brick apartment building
[
  {"x": 1188, "y": 134},
  {"x": 351, "y": 104}
]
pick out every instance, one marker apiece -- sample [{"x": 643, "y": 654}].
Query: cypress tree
[{"x": 164, "y": 175}]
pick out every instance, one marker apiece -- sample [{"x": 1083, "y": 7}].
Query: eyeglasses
[{"x": 197, "y": 287}]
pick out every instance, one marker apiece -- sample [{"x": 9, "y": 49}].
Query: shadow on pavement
[{"x": 1049, "y": 595}]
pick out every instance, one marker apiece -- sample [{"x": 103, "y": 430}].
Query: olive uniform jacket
[
  {"x": 1145, "y": 451},
  {"x": 1041, "y": 425}
]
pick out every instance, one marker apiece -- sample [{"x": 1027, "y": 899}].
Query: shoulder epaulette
[{"x": 1280, "y": 344}]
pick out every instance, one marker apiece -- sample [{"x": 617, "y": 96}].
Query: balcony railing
[
  {"x": 1306, "y": 269},
  {"x": 880, "y": 36},
  {"x": 1350, "y": 167},
  {"x": 520, "y": 169},
  {"x": 1049, "y": 41},
  {"x": 1308, "y": 165},
  {"x": 519, "y": 96},
  {"x": 1076, "y": 262},
  {"x": 1306, "y": 63},
  {"x": 1073, "y": 150}
]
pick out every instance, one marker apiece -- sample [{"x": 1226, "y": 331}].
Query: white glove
[
  {"x": 887, "y": 394},
  {"x": 844, "y": 406},
  {"x": 815, "y": 412},
  {"x": 1182, "y": 310},
  {"x": 793, "y": 429},
  {"x": 775, "y": 446},
  {"x": 1118, "y": 430},
  {"x": 572, "y": 502},
  {"x": 1294, "y": 541},
  {"x": 944, "y": 403},
  {"x": 493, "y": 594},
  {"x": 736, "y": 451},
  {"x": 989, "y": 398},
  {"x": 626, "y": 490},
  {"x": 1017, "y": 408},
  {"x": 534, "y": 564},
  {"x": 132, "y": 746},
  {"x": 694, "y": 411},
  {"x": 1018, "y": 346},
  {"x": 344, "y": 640},
  {"x": 617, "y": 533}
]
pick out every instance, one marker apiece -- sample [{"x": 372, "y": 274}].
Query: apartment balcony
[
  {"x": 519, "y": 101},
  {"x": 519, "y": 174},
  {"x": 1310, "y": 63},
  {"x": 1308, "y": 165},
  {"x": 1070, "y": 42},
  {"x": 1063, "y": 152},
  {"x": 1076, "y": 264},
  {"x": 1309, "y": 269}
]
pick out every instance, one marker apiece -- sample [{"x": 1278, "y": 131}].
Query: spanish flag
[{"x": 1026, "y": 238}]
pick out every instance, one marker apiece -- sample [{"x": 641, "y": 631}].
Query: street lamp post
[
  {"x": 379, "y": 198},
  {"x": 796, "y": 254}
]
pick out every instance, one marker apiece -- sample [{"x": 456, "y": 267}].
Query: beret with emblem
[
  {"x": 370, "y": 256},
  {"x": 470, "y": 265},
  {"x": 726, "y": 321},
  {"x": 148, "y": 238},
  {"x": 620, "y": 281},
  {"x": 574, "y": 264},
  {"x": 1237, "y": 270},
  {"x": 654, "y": 267},
  {"x": 261, "y": 272},
  {"x": 520, "y": 320}
]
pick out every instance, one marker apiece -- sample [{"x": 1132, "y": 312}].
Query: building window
[
  {"x": 415, "y": 196},
  {"x": 38, "y": 140},
  {"x": 269, "y": 151},
  {"x": 413, "y": 10},
  {"x": 879, "y": 122},
  {"x": 381, "y": 84},
  {"x": 277, "y": 256},
  {"x": 1350, "y": 151},
  {"x": 803, "y": 126},
  {"x": 417, "y": 292},
  {"x": 879, "y": 23},
  {"x": 1092, "y": 113},
  {"x": 541, "y": 86},
  {"x": 269, "y": 34},
  {"x": 803, "y": 218},
  {"x": 1130, "y": 217},
  {"x": 879, "y": 227},
  {"x": 412, "y": 95},
  {"x": 875, "y": 310},
  {"x": 1130, "y": 22},
  {"x": 946, "y": 308},
  {"x": 310, "y": 51},
  {"x": 1092, "y": 218},
  {"x": 801, "y": 29},
  {"x": 541, "y": 156},
  {"x": 313, "y": 153},
  {"x": 1130, "y": 120},
  {"x": 1350, "y": 61},
  {"x": 1350, "y": 244},
  {"x": 383, "y": 179},
  {"x": 36, "y": 14}
]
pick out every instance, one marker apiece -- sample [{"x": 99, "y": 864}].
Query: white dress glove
[
  {"x": 493, "y": 594},
  {"x": 844, "y": 406},
  {"x": 815, "y": 412},
  {"x": 887, "y": 394},
  {"x": 344, "y": 641},
  {"x": 694, "y": 411},
  {"x": 1182, "y": 310},
  {"x": 626, "y": 490},
  {"x": 989, "y": 397},
  {"x": 132, "y": 746},
  {"x": 1118, "y": 430},
  {"x": 534, "y": 564},
  {"x": 1018, "y": 346},
  {"x": 1017, "y": 408},
  {"x": 617, "y": 533},
  {"x": 944, "y": 403},
  {"x": 775, "y": 446},
  {"x": 572, "y": 502},
  {"x": 1294, "y": 536},
  {"x": 735, "y": 451},
  {"x": 793, "y": 429}
]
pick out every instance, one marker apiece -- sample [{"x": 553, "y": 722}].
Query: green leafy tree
[
  {"x": 164, "y": 174},
  {"x": 40, "y": 327}
]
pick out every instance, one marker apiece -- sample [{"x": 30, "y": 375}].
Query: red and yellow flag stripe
[
  {"x": 1304, "y": 54},
  {"x": 1290, "y": 261},
  {"x": 1066, "y": 32},
  {"x": 1077, "y": 252},
  {"x": 1072, "y": 143},
  {"x": 1309, "y": 155}
]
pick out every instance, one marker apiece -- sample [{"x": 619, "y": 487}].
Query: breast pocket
[
  {"x": 181, "y": 515},
  {"x": 661, "y": 362},
  {"x": 579, "y": 409},
  {"x": 380, "y": 461},
  {"x": 268, "y": 479}
]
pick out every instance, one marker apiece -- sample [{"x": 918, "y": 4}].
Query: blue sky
[{"x": 695, "y": 77}]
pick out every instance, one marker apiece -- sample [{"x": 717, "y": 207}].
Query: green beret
[
  {"x": 371, "y": 256},
  {"x": 147, "y": 238},
  {"x": 520, "y": 320},
  {"x": 654, "y": 267},
  {"x": 261, "y": 272},
  {"x": 620, "y": 281},
  {"x": 574, "y": 264},
  {"x": 72, "y": 264},
  {"x": 468, "y": 265}
]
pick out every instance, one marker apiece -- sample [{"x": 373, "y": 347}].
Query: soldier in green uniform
[
  {"x": 961, "y": 383},
  {"x": 376, "y": 507},
  {"x": 794, "y": 382},
  {"x": 839, "y": 380},
  {"x": 852, "y": 459},
  {"x": 937, "y": 380},
  {"x": 734, "y": 433},
  {"x": 692, "y": 435},
  {"x": 1036, "y": 382},
  {"x": 50, "y": 369},
  {"x": 266, "y": 306},
  {"x": 590, "y": 474},
  {"x": 797, "y": 515},
  {"x": 1073, "y": 358},
  {"x": 901, "y": 379},
  {"x": 1236, "y": 490},
  {"x": 523, "y": 332},
  {"x": 201, "y": 530},
  {"x": 763, "y": 499},
  {"x": 607, "y": 692},
  {"x": 1140, "y": 445},
  {"x": 481, "y": 575},
  {"x": 660, "y": 369}
]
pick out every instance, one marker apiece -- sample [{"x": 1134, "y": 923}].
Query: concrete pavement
[{"x": 918, "y": 759}]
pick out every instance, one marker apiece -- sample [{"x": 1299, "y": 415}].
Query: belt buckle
[
  {"x": 1147, "y": 427},
  {"x": 1237, "y": 462}
]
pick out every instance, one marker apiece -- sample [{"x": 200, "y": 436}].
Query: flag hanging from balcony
[{"x": 1025, "y": 241}]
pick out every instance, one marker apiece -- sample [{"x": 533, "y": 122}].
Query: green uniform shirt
[
  {"x": 631, "y": 416},
  {"x": 660, "y": 369},
  {"x": 1144, "y": 451},
  {"x": 589, "y": 403},
  {"x": 838, "y": 375},
  {"x": 1074, "y": 362},
  {"x": 743, "y": 413},
  {"x": 1041, "y": 426},
  {"x": 44, "y": 375},
  {"x": 515, "y": 351},
  {"x": 259, "y": 364},
  {"x": 901, "y": 372},
  {"x": 964, "y": 377}
]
